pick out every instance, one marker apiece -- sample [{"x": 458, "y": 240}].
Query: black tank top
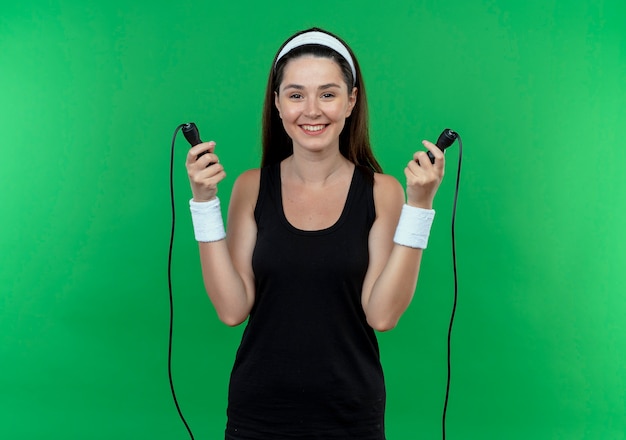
[{"x": 308, "y": 365}]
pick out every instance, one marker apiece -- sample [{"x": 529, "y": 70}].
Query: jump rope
[{"x": 191, "y": 133}]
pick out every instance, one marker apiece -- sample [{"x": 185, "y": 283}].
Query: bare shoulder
[
  {"x": 245, "y": 192},
  {"x": 388, "y": 193},
  {"x": 249, "y": 177},
  {"x": 247, "y": 184}
]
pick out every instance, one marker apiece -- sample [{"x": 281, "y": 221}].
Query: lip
[{"x": 306, "y": 128}]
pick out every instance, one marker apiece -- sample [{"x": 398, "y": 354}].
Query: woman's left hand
[{"x": 423, "y": 178}]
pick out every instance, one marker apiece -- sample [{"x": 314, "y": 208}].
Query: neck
[{"x": 315, "y": 169}]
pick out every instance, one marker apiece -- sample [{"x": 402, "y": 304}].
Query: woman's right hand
[{"x": 204, "y": 172}]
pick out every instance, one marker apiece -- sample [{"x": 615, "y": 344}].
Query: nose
[{"x": 312, "y": 109}]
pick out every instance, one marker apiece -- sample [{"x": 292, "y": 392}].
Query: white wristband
[
  {"x": 414, "y": 227},
  {"x": 207, "y": 220}
]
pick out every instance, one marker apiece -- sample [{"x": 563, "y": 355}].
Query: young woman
[{"x": 321, "y": 251}]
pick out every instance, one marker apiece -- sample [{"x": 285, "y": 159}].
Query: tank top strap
[
  {"x": 364, "y": 188},
  {"x": 269, "y": 187}
]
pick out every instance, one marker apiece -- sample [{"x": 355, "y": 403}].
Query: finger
[
  {"x": 206, "y": 159},
  {"x": 211, "y": 181},
  {"x": 422, "y": 160},
  {"x": 198, "y": 151},
  {"x": 414, "y": 173},
  {"x": 413, "y": 167},
  {"x": 203, "y": 148},
  {"x": 208, "y": 178},
  {"x": 209, "y": 171},
  {"x": 436, "y": 152},
  {"x": 433, "y": 149}
]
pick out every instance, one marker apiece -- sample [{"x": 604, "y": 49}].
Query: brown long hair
[{"x": 354, "y": 140}]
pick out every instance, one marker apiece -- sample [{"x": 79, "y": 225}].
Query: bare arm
[
  {"x": 393, "y": 271},
  {"x": 227, "y": 264}
]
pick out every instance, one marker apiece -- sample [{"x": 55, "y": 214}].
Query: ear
[
  {"x": 277, "y": 104},
  {"x": 352, "y": 100}
]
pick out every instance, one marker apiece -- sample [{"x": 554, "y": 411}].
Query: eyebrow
[{"x": 322, "y": 87}]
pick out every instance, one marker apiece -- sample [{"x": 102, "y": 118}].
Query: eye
[
  {"x": 295, "y": 96},
  {"x": 328, "y": 95}
]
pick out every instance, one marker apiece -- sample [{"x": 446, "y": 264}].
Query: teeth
[{"x": 313, "y": 127}]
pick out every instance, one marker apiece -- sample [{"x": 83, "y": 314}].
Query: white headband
[{"x": 321, "y": 38}]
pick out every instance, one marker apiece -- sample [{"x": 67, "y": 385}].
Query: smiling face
[{"x": 313, "y": 101}]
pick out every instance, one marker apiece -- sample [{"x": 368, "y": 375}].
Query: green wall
[{"x": 90, "y": 96}]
